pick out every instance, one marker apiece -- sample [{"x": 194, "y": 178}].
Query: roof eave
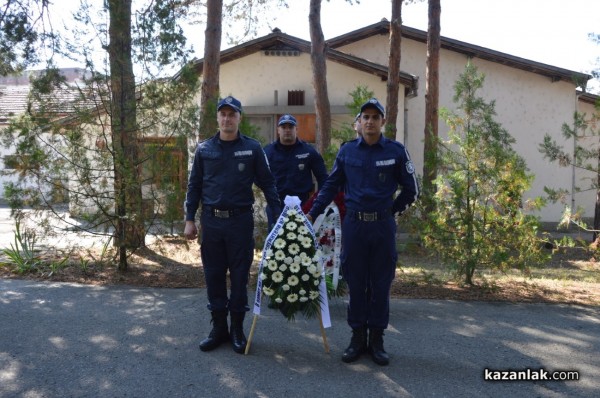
[{"x": 470, "y": 50}]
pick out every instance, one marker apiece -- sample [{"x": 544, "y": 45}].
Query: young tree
[
  {"x": 93, "y": 155},
  {"x": 585, "y": 157},
  {"x": 478, "y": 218}
]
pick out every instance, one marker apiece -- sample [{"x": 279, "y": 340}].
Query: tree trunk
[
  {"x": 597, "y": 210},
  {"x": 129, "y": 231},
  {"x": 210, "y": 69},
  {"x": 319, "y": 71},
  {"x": 431, "y": 102},
  {"x": 393, "y": 80}
]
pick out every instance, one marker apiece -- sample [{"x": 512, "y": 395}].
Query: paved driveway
[{"x": 68, "y": 340}]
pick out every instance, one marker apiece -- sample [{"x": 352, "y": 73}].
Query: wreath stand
[{"x": 323, "y": 335}]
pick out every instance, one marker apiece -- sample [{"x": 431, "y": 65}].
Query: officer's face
[
  {"x": 229, "y": 120},
  {"x": 287, "y": 134},
  {"x": 371, "y": 122}
]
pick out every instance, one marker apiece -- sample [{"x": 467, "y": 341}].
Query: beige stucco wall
[
  {"x": 255, "y": 78},
  {"x": 527, "y": 105}
]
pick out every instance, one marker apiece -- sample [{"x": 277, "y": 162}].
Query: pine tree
[{"x": 478, "y": 218}]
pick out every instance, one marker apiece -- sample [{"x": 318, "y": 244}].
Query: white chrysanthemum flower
[
  {"x": 263, "y": 276},
  {"x": 313, "y": 294},
  {"x": 294, "y": 248},
  {"x": 279, "y": 243},
  {"x": 291, "y": 212},
  {"x": 302, "y": 292},
  {"x": 280, "y": 232},
  {"x": 268, "y": 291},
  {"x": 316, "y": 275},
  {"x": 294, "y": 268},
  {"x": 293, "y": 280},
  {"x": 303, "y": 255},
  {"x": 283, "y": 268},
  {"x": 277, "y": 277},
  {"x": 306, "y": 243},
  {"x": 318, "y": 254},
  {"x": 303, "y": 299},
  {"x": 306, "y": 261},
  {"x": 316, "y": 282},
  {"x": 312, "y": 268},
  {"x": 288, "y": 260},
  {"x": 278, "y": 300},
  {"x": 291, "y": 226},
  {"x": 305, "y": 277},
  {"x": 269, "y": 253},
  {"x": 286, "y": 288},
  {"x": 299, "y": 219},
  {"x": 302, "y": 230},
  {"x": 279, "y": 255},
  {"x": 290, "y": 236},
  {"x": 292, "y": 298},
  {"x": 272, "y": 265}
]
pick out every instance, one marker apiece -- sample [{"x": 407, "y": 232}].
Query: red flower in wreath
[{"x": 338, "y": 200}]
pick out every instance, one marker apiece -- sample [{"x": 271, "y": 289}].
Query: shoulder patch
[{"x": 410, "y": 167}]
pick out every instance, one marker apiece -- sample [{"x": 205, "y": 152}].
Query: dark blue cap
[
  {"x": 235, "y": 104},
  {"x": 373, "y": 103},
  {"x": 287, "y": 119}
]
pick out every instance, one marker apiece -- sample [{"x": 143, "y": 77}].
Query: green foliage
[
  {"x": 21, "y": 30},
  {"x": 584, "y": 157},
  {"x": 251, "y": 130},
  {"x": 23, "y": 254},
  {"x": 359, "y": 96},
  {"x": 478, "y": 219},
  {"x": 63, "y": 148}
]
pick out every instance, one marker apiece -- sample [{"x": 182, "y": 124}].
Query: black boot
[
  {"x": 218, "y": 335},
  {"x": 380, "y": 357},
  {"x": 238, "y": 339},
  {"x": 358, "y": 345}
]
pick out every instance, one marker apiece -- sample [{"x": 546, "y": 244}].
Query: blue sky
[{"x": 554, "y": 32}]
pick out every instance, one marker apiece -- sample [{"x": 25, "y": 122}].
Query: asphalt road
[{"x": 68, "y": 340}]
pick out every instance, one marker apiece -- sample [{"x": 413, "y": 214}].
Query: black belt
[
  {"x": 226, "y": 213},
  {"x": 370, "y": 216}
]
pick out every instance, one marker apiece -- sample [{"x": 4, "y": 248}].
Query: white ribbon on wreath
[{"x": 330, "y": 220}]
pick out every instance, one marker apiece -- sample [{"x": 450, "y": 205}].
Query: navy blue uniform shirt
[
  {"x": 223, "y": 173},
  {"x": 293, "y": 167},
  {"x": 370, "y": 176}
]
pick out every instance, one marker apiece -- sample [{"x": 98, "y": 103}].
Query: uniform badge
[
  {"x": 241, "y": 166},
  {"x": 410, "y": 167},
  {"x": 301, "y": 166}
]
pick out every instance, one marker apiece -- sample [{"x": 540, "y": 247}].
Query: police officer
[
  {"x": 369, "y": 168},
  {"x": 294, "y": 162},
  {"x": 224, "y": 169}
]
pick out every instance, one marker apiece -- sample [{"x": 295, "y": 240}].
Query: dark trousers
[
  {"x": 227, "y": 244},
  {"x": 368, "y": 261}
]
